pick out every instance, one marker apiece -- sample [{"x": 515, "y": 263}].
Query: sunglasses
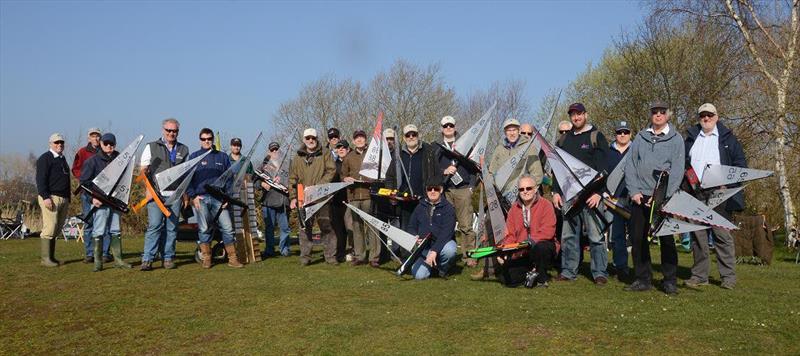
[
  {"x": 434, "y": 189},
  {"x": 623, "y": 132},
  {"x": 273, "y": 149},
  {"x": 658, "y": 111},
  {"x": 563, "y": 131},
  {"x": 310, "y": 138},
  {"x": 706, "y": 114},
  {"x": 333, "y": 137},
  {"x": 58, "y": 142},
  {"x": 171, "y": 130},
  {"x": 206, "y": 139},
  {"x": 108, "y": 143},
  {"x": 526, "y": 189},
  {"x": 448, "y": 126},
  {"x": 527, "y": 133},
  {"x": 411, "y": 134}
]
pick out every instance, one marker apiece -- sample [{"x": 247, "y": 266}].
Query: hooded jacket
[
  {"x": 649, "y": 153},
  {"x": 731, "y": 153},
  {"x": 310, "y": 168},
  {"x": 505, "y": 150},
  {"x": 438, "y": 220}
]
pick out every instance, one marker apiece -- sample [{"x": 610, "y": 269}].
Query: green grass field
[{"x": 278, "y": 307}]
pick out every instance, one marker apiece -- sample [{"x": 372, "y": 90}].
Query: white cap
[
  {"x": 388, "y": 133},
  {"x": 707, "y": 107},
  {"x": 448, "y": 120},
  {"x": 94, "y": 130},
  {"x": 56, "y": 137},
  {"x": 509, "y": 122},
  {"x": 410, "y": 128},
  {"x": 309, "y": 132}
]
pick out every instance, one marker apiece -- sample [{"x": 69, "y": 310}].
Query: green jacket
[
  {"x": 310, "y": 169},
  {"x": 350, "y": 168},
  {"x": 503, "y": 152}
]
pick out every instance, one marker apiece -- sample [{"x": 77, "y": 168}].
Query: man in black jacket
[
  {"x": 434, "y": 217},
  {"x": 588, "y": 145},
  {"x": 419, "y": 164},
  {"x": 274, "y": 204},
  {"x": 710, "y": 142},
  {"x": 53, "y": 186}
]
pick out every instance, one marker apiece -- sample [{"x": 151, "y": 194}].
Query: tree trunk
[{"x": 780, "y": 169}]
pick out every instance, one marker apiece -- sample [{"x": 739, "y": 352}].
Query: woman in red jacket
[{"x": 531, "y": 218}]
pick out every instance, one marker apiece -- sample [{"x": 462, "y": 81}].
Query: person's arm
[
  {"x": 87, "y": 172},
  {"x": 391, "y": 175},
  {"x": 294, "y": 179},
  {"x": 738, "y": 158},
  {"x": 330, "y": 168},
  {"x": 535, "y": 168},
  {"x": 77, "y": 164},
  {"x": 512, "y": 223},
  {"x": 600, "y": 153},
  {"x": 43, "y": 176},
  {"x": 413, "y": 223},
  {"x": 543, "y": 222},
  {"x": 631, "y": 180},
  {"x": 677, "y": 165}
]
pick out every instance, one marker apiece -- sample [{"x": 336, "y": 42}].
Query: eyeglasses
[
  {"x": 623, "y": 132},
  {"x": 434, "y": 189},
  {"x": 58, "y": 142},
  {"x": 411, "y": 134},
  {"x": 562, "y": 131},
  {"x": 273, "y": 149},
  {"x": 529, "y": 134},
  {"x": 310, "y": 138},
  {"x": 174, "y": 131},
  {"x": 390, "y": 139},
  {"x": 109, "y": 143},
  {"x": 658, "y": 111},
  {"x": 448, "y": 126},
  {"x": 706, "y": 114},
  {"x": 526, "y": 189},
  {"x": 206, "y": 139}
]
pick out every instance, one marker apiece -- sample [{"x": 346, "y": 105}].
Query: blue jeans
[
  {"x": 88, "y": 230},
  {"x": 619, "y": 246},
  {"x": 571, "y": 249},
  {"x": 206, "y": 213},
  {"x": 161, "y": 232},
  {"x": 106, "y": 224},
  {"x": 444, "y": 261},
  {"x": 271, "y": 215}
]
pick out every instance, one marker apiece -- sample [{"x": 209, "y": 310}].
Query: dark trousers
[
  {"x": 541, "y": 256},
  {"x": 640, "y": 248},
  {"x": 337, "y": 224}
]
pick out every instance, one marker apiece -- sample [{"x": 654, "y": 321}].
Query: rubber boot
[
  {"x": 52, "y": 252},
  {"x": 205, "y": 254},
  {"x": 45, "y": 252},
  {"x": 233, "y": 261},
  {"x": 116, "y": 250},
  {"x": 98, "y": 254}
]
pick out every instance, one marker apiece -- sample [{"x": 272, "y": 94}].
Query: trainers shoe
[
  {"x": 637, "y": 286},
  {"x": 728, "y": 285},
  {"x": 694, "y": 282},
  {"x": 146, "y": 266},
  {"x": 601, "y": 281},
  {"x": 168, "y": 264},
  {"x": 670, "y": 289}
]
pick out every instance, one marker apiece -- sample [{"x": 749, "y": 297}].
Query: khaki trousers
[
  {"x": 53, "y": 220},
  {"x": 462, "y": 201},
  {"x": 363, "y": 237}
]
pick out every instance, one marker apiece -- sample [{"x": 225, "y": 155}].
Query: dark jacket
[
  {"x": 613, "y": 158},
  {"x": 420, "y": 166},
  {"x": 444, "y": 161},
  {"x": 440, "y": 222},
  {"x": 731, "y": 153},
  {"x": 580, "y": 146},
  {"x": 208, "y": 170},
  {"x": 94, "y": 165},
  {"x": 271, "y": 198},
  {"x": 52, "y": 176}
]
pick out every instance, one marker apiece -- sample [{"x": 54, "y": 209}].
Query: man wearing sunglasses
[
  {"x": 340, "y": 218},
  {"x": 588, "y": 145},
  {"x": 418, "y": 165},
  {"x": 434, "y": 217},
  {"x": 526, "y": 130},
  {"x": 532, "y": 219},
  {"x": 619, "y": 226},
  {"x": 334, "y": 136},
  {"x": 158, "y": 156},
  {"x": 656, "y": 149},
  {"x": 206, "y": 206},
  {"x": 84, "y": 154},
  {"x": 458, "y": 183},
  {"x": 711, "y": 142},
  {"x": 53, "y": 187},
  {"x": 275, "y": 205},
  {"x": 105, "y": 231},
  {"x": 313, "y": 165},
  {"x": 364, "y": 238}
]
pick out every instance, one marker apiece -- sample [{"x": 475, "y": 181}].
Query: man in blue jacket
[
  {"x": 619, "y": 226},
  {"x": 434, "y": 217},
  {"x": 710, "y": 142},
  {"x": 206, "y": 206}
]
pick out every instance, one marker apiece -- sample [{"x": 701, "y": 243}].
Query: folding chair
[
  {"x": 73, "y": 228},
  {"x": 13, "y": 227}
]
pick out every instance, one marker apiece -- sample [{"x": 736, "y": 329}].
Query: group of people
[{"x": 444, "y": 210}]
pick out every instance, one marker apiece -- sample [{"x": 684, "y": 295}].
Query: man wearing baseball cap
[
  {"x": 274, "y": 204},
  {"x": 334, "y": 136},
  {"x": 419, "y": 164},
  {"x": 711, "y": 142},
  {"x": 340, "y": 218},
  {"x": 364, "y": 238},
  {"x": 83, "y": 154},
  {"x": 313, "y": 165},
  {"x": 53, "y": 187},
  {"x": 616, "y": 152},
  {"x": 588, "y": 145}
]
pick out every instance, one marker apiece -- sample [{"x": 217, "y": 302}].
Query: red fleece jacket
[
  {"x": 542, "y": 225},
  {"x": 83, "y": 154}
]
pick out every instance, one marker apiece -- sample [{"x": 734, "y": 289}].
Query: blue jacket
[
  {"x": 613, "y": 157},
  {"x": 95, "y": 164},
  {"x": 208, "y": 170},
  {"x": 731, "y": 153},
  {"x": 441, "y": 224}
]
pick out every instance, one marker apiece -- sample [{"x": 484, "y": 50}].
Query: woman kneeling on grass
[
  {"x": 530, "y": 219},
  {"x": 105, "y": 220}
]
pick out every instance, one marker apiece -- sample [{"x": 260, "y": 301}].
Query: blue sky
[{"x": 67, "y": 65}]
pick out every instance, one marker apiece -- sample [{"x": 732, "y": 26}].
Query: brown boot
[
  {"x": 232, "y": 260},
  {"x": 205, "y": 254}
]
